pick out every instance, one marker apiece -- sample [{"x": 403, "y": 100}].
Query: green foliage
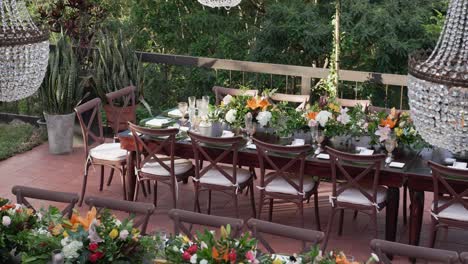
[
  {"x": 18, "y": 138},
  {"x": 61, "y": 90}
]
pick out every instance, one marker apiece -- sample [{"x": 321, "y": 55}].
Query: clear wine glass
[
  {"x": 249, "y": 127},
  {"x": 313, "y": 133},
  {"x": 390, "y": 145},
  {"x": 183, "y": 107},
  {"x": 192, "y": 101},
  {"x": 320, "y": 137},
  {"x": 206, "y": 98}
]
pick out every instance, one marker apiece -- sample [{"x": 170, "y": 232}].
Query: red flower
[
  {"x": 93, "y": 247},
  {"x": 192, "y": 249},
  {"x": 186, "y": 256},
  {"x": 232, "y": 255},
  {"x": 95, "y": 256}
]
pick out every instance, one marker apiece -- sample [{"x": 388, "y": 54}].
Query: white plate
[
  {"x": 158, "y": 122},
  {"x": 395, "y": 164},
  {"x": 323, "y": 156}
]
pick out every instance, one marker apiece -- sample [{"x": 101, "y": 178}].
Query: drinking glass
[
  {"x": 206, "y": 98},
  {"x": 313, "y": 133},
  {"x": 183, "y": 107},
  {"x": 319, "y": 137},
  {"x": 192, "y": 100},
  {"x": 249, "y": 127},
  {"x": 390, "y": 145}
]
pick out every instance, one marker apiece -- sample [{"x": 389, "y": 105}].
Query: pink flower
[
  {"x": 232, "y": 255},
  {"x": 250, "y": 255},
  {"x": 192, "y": 249},
  {"x": 186, "y": 256},
  {"x": 383, "y": 133},
  {"x": 93, "y": 247}
]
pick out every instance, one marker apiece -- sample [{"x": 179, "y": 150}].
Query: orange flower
[
  {"x": 341, "y": 259},
  {"x": 388, "y": 122},
  {"x": 312, "y": 115},
  {"x": 254, "y": 103},
  {"x": 85, "y": 222},
  {"x": 263, "y": 104},
  {"x": 7, "y": 206},
  {"x": 214, "y": 253}
]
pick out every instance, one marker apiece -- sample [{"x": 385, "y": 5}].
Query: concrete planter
[{"x": 60, "y": 132}]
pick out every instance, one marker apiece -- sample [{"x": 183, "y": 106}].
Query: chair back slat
[
  {"x": 353, "y": 103},
  {"x": 149, "y": 154},
  {"x": 23, "y": 192},
  {"x": 127, "y": 97},
  {"x": 144, "y": 210},
  {"x": 91, "y": 109},
  {"x": 301, "y": 99},
  {"x": 446, "y": 178},
  {"x": 382, "y": 247},
  {"x": 221, "y": 92},
  {"x": 305, "y": 235},
  {"x": 373, "y": 163},
  {"x": 182, "y": 217},
  {"x": 294, "y": 168},
  {"x": 201, "y": 154}
]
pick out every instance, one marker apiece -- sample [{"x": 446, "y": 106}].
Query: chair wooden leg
[
  {"x": 209, "y": 202},
  {"x": 301, "y": 213},
  {"x": 329, "y": 226},
  {"x": 317, "y": 215},
  {"x": 196, "y": 203},
  {"x": 149, "y": 187},
  {"x": 135, "y": 194},
  {"x": 83, "y": 187},
  {"x": 111, "y": 176},
  {"x": 174, "y": 193},
  {"x": 124, "y": 184},
  {"x": 340, "y": 227},
  {"x": 143, "y": 189},
  {"x": 101, "y": 183},
  {"x": 433, "y": 234},
  {"x": 236, "y": 205},
  {"x": 252, "y": 199},
  {"x": 270, "y": 212},
  {"x": 374, "y": 221},
  {"x": 260, "y": 204},
  {"x": 405, "y": 203},
  {"x": 355, "y": 214},
  {"x": 155, "y": 195}
]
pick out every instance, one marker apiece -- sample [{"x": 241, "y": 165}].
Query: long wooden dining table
[{"x": 415, "y": 173}]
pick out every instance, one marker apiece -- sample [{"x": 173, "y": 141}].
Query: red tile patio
[{"x": 38, "y": 168}]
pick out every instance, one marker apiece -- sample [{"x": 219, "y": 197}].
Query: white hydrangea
[
  {"x": 231, "y": 116},
  {"x": 6, "y": 220},
  {"x": 70, "y": 248},
  {"x": 263, "y": 118},
  {"x": 344, "y": 118},
  {"x": 323, "y": 117},
  {"x": 203, "y": 261},
  {"x": 193, "y": 259},
  {"x": 227, "y": 99},
  {"x": 123, "y": 234}
]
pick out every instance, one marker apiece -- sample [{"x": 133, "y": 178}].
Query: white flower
[
  {"x": 375, "y": 257},
  {"x": 227, "y": 99},
  {"x": 39, "y": 216},
  {"x": 6, "y": 220},
  {"x": 322, "y": 117},
  {"x": 231, "y": 116},
  {"x": 203, "y": 245},
  {"x": 344, "y": 118},
  {"x": 123, "y": 234},
  {"x": 93, "y": 235},
  {"x": 174, "y": 248},
  {"x": 65, "y": 241},
  {"x": 193, "y": 259},
  {"x": 203, "y": 261},
  {"x": 117, "y": 222},
  {"x": 263, "y": 118},
  {"x": 70, "y": 251}
]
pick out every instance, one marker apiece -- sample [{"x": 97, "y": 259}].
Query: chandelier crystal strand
[
  {"x": 220, "y": 3},
  {"x": 24, "y": 50},
  {"x": 438, "y": 85}
]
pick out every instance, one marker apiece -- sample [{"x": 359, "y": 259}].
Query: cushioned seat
[
  {"x": 455, "y": 211},
  {"x": 354, "y": 196},
  {"x": 181, "y": 166},
  {"x": 280, "y": 185},
  {"x": 108, "y": 151},
  {"x": 215, "y": 177}
]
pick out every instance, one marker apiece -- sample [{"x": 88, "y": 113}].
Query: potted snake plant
[
  {"x": 60, "y": 92},
  {"x": 116, "y": 66}
]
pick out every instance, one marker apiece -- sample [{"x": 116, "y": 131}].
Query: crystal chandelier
[
  {"x": 220, "y": 3},
  {"x": 438, "y": 85},
  {"x": 24, "y": 52}
]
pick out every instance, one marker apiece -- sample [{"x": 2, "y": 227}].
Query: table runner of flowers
[{"x": 31, "y": 237}]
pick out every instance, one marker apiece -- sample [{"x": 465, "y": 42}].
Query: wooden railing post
[{"x": 305, "y": 85}]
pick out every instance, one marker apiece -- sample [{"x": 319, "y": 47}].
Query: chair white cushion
[
  {"x": 108, "y": 151},
  {"x": 280, "y": 185},
  {"x": 215, "y": 177},
  {"x": 181, "y": 166},
  {"x": 354, "y": 196},
  {"x": 455, "y": 211}
]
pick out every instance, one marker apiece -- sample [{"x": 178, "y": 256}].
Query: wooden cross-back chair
[
  {"x": 123, "y": 113},
  {"x": 141, "y": 211},
  {"x": 23, "y": 192},
  {"x": 464, "y": 257},
  {"x": 383, "y": 248},
  {"x": 300, "y": 99},
  {"x": 96, "y": 150},
  {"x": 355, "y": 192},
  {"x": 156, "y": 161},
  {"x": 305, "y": 235},
  {"x": 448, "y": 210},
  {"x": 221, "y": 92},
  {"x": 228, "y": 179},
  {"x": 353, "y": 103},
  {"x": 287, "y": 182},
  {"x": 181, "y": 217}
]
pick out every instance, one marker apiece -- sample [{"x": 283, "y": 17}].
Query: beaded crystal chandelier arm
[
  {"x": 220, "y": 3},
  {"x": 24, "y": 52},
  {"x": 438, "y": 85}
]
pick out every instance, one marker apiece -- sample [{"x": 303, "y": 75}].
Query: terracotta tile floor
[{"x": 38, "y": 168}]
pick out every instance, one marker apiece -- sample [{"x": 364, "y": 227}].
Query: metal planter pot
[{"x": 60, "y": 132}]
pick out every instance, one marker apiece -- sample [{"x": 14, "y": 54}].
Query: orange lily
[
  {"x": 312, "y": 115},
  {"x": 84, "y": 221},
  {"x": 341, "y": 259},
  {"x": 254, "y": 103},
  {"x": 214, "y": 253},
  {"x": 388, "y": 122}
]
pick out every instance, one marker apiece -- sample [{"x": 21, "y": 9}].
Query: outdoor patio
[{"x": 64, "y": 173}]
